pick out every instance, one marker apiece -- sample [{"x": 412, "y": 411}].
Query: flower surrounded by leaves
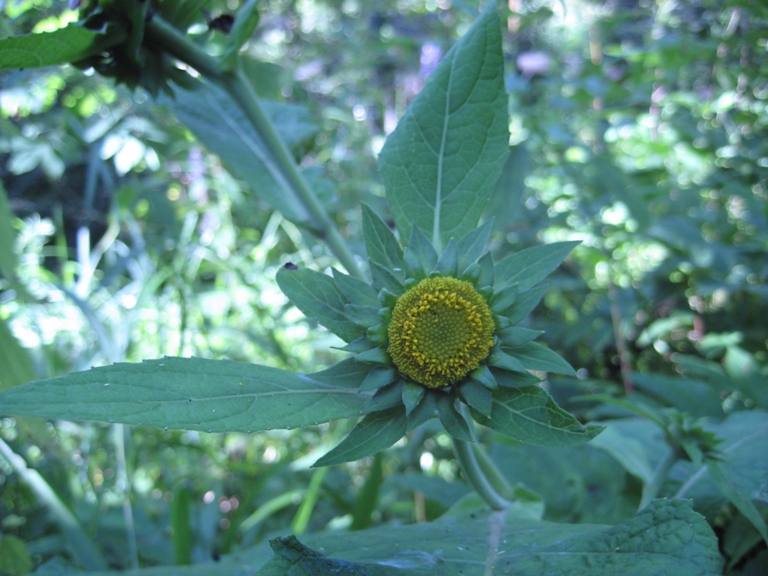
[{"x": 441, "y": 334}]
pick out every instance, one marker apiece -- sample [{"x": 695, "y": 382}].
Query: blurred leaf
[
  {"x": 220, "y": 125},
  {"x": 245, "y": 22},
  {"x": 740, "y": 477},
  {"x": 375, "y": 432},
  {"x": 15, "y": 362},
  {"x": 315, "y": 294},
  {"x": 69, "y": 44},
  {"x": 186, "y": 393},
  {"x": 739, "y": 498},
  {"x": 626, "y": 450},
  {"x": 529, "y": 415},
  {"x": 697, "y": 398},
  {"x": 440, "y": 164},
  {"x": 8, "y": 257},
  {"x": 181, "y": 534},
  {"x": 367, "y": 499},
  {"x": 14, "y": 557}
]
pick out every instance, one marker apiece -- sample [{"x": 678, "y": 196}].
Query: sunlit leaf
[
  {"x": 440, "y": 165},
  {"x": 68, "y": 44}
]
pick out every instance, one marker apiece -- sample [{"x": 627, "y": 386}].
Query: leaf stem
[
  {"x": 166, "y": 37},
  {"x": 651, "y": 489},
  {"x": 476, "y": 476}
]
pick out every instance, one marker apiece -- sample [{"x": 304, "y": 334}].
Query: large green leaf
[
  {"x": 440, "y": 165},
  {"x": 187, "y": 393},
  {"x": 316, "y": 295},
  {"x": 68, "y": 44},
  {"x": 529, "y": 415},
  {"x": 218, "y": 122},
  {"x": 666, "y": 538}
]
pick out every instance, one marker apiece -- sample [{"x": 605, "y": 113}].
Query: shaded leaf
[
  {"x": 375, "y": 432},
  {"x": 188, "y": 394},
  {"x": 667, "y": 537},
  {"x": 15, "y": 362},
  {"x": 452, "y": 420},
  {"x": 477, "y": 396},
  {"x": 529, "y": 415}
]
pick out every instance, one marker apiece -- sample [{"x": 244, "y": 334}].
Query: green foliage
[
  {"x": 440, "y": 164},
  {"x": 188, "y": 394},
  {"x": 621, "y": 255}
]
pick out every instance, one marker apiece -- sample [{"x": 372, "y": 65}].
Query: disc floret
[{"x": 441, "y": 330}]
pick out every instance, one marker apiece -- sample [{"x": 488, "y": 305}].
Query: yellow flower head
[{"x": 441, "y": 329}]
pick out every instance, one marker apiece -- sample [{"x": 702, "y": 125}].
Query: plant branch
[{"x": 166, "y": 37}]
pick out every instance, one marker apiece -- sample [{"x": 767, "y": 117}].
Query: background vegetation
[{"x": 638, "y": 128}]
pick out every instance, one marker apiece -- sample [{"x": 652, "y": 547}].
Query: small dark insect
[
  {"x": 290, "y": 266},
  {"x": 223, "y": 23}
]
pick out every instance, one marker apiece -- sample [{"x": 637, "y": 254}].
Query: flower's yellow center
[{"x": 441, "y": 330}]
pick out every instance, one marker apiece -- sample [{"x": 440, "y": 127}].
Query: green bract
[{"x": 440, "y": 335}]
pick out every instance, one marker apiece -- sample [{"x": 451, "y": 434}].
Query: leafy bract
[
  {"x": 530, "y": 266},
  {"x": 529, "y": 415},
  {"x": 68, "y": 44},
  {"x": 316, "y": 295},
  {"x": 375, "y": 432},
  {"x": 187, "y": 393},
  {"x": 380, "y": 244},
  {"x": 440, "y": 164}
]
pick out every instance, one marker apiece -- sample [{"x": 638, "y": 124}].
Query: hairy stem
[{"x": 163, "y": 36}]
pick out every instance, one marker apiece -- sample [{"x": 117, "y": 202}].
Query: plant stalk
[
  {"x": 473, "y": 472},
  {"x": 166, "y": 37},
  {"x": 651, "y": 489}
]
